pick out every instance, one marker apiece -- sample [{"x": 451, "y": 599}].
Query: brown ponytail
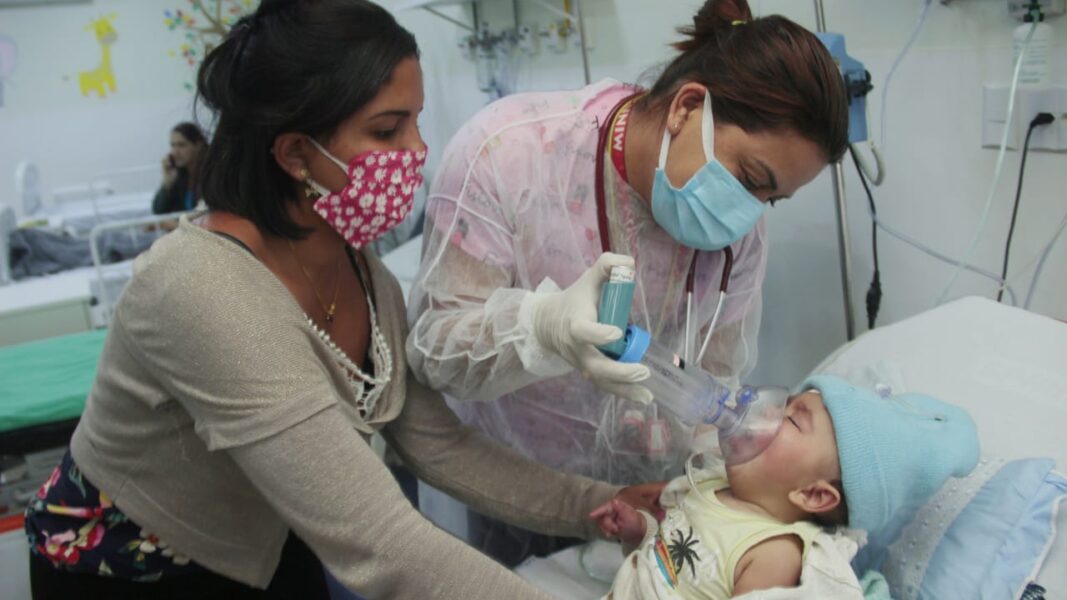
[
  {"x": 712, "y": 19},
  {"x": 763, "y": 74}
]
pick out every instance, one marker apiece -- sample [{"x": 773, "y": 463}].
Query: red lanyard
[{"x": 601, "y": 150}]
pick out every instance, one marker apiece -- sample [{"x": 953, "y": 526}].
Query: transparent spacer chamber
[{"x": 746, "y": 422}]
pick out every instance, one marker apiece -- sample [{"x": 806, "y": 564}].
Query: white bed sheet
[{"x": 1008, "y": 367}]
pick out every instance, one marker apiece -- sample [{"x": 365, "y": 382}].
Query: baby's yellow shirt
[{"x": 699, "y": 543}]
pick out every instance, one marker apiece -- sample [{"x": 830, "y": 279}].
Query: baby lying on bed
[{"x": 843, "y": 456}]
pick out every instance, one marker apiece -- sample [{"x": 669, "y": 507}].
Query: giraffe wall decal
[{"x": 102, "y": 78}]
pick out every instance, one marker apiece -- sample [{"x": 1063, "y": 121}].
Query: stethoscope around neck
[{"x": 605, "y": 238}]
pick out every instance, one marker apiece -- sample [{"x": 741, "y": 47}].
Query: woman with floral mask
[
  {"x": 222, "y": 452},
  {"x": 537, "y": 186}
]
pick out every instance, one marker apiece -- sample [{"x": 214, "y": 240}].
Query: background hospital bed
[
  {"x": 1008, "y": 367},
  {"x": 64, "y": 302},
  {"x": 43, "y": 387},
  {"x": 76, "y": 300},
  {"x": 118, "y": 194}
]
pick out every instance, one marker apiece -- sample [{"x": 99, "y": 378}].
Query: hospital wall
[
  {"x": 938, "y": 173},
  {"x": 72, "y": 138}
]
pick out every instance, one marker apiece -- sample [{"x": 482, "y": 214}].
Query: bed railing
[{"x": 105, "y": 182}]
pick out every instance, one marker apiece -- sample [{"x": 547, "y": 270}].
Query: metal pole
[
  {"x": 581, "y": 35},
  {"x": 844, "y": 245}
]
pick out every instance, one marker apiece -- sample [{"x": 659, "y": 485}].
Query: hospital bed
[
  {"x": 43, "y": 387},
  {"x": 118, "y": 194},
  {"x": 1008, "y": 367},
  {"x": 75, "y": 210}
]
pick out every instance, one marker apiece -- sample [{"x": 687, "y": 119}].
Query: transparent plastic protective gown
[{"x": 511, "y": 214}]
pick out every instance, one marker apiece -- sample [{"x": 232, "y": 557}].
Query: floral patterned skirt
[{"x": 75, "y": 526}]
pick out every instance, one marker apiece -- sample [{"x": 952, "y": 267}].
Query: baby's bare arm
[{"x": 775, "y": 562}]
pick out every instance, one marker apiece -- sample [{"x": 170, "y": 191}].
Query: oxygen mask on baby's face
[{"x": 743, "y": 426}]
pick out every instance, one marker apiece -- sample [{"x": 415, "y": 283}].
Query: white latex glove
[{"x": 565, "y": 323}]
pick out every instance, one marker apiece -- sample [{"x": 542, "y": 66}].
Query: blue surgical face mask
[{"x": 713, "y": 210}]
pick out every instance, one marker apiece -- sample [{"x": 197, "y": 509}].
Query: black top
[{"x": 178, "y": 198}]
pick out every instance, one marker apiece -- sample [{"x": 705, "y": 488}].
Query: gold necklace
[{"x": 337, "y": 287}]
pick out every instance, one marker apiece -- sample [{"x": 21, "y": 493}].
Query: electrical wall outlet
[{"x": 1028, "y": 103}]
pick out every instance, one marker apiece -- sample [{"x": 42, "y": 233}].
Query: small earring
[{"x": 309, "y": 191}]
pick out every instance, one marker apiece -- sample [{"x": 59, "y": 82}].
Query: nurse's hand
[{"x": 565, "y": 323}]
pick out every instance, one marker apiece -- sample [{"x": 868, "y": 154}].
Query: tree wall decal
[{"x": 202, "y": 24}]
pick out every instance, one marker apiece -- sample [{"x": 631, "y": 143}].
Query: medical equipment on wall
[
  {"x": 1017, "y": 8},
  {"x": 1020, "y": 58},
  {"x": 745, "y": 426},
  {"x": 1034, "y": 71},
  {"x": 857, "y": 84},
  {"x": 496, "y": 53},
  {"x": 866, "y": 175}
]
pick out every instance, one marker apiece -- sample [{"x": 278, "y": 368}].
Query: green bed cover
[{"x": 47, "y": 380}]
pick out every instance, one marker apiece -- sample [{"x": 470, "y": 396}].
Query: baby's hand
[{"x": 618, "y": 519}]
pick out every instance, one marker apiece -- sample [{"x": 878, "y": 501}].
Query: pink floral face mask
[{"x": 380, "y": 191}]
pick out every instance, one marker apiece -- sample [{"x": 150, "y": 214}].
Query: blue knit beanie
[{"x": 895, "y": 452}]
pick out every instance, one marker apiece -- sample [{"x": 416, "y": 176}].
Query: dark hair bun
[{"x": 715, "y": 17}]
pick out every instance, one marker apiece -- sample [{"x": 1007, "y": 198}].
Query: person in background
[
  {"x": 533, "y": 190},
  {"x": 181, "y": 170}
]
